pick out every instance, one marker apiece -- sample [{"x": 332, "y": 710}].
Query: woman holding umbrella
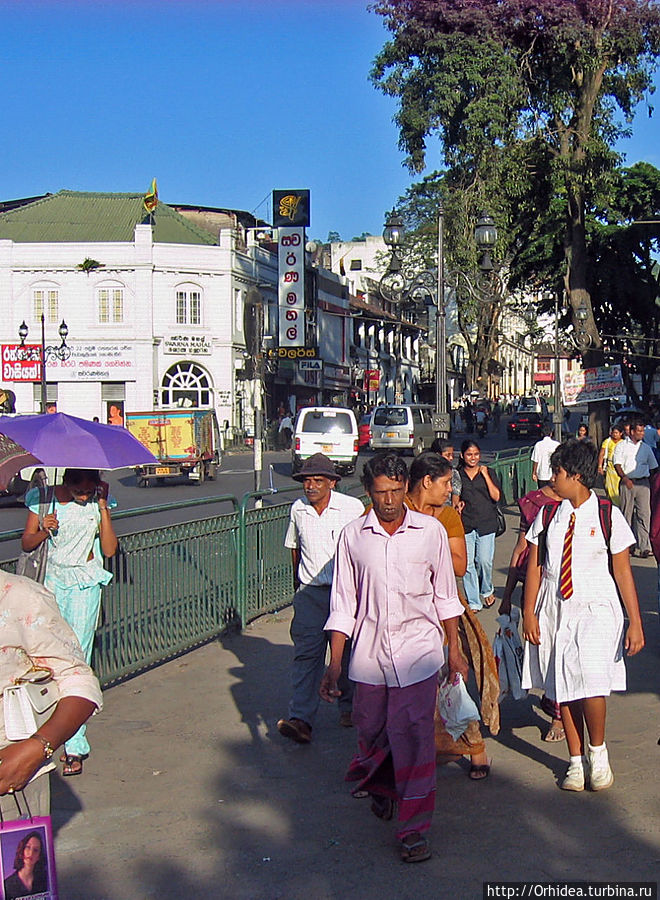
[{"x": 80, "y": 533}]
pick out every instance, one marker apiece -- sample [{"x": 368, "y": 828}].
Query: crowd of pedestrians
[{"x": 392, "y": 595}]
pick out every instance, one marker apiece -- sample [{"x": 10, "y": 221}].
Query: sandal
[
  {"x": 555, "y": 734},
  {"x": 73, "y": 765},
  {"x": 382, "y": 807},
  {"x": 479, "y": 773},
  {"x": 415, "y": 848},
  {"x": 487, "y": 602}
]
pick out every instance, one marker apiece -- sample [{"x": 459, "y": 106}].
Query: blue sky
[{"x": 222, "y": 101}]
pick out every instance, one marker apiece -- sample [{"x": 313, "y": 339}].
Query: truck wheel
[
  {"x": 296, "y": 465},
  {"x": 419, "y": 448}
]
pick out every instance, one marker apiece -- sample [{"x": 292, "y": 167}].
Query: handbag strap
[{"x": 18, "y": 807}]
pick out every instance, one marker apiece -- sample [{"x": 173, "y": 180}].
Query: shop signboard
[
  {"x": 187, "y": 345},
  {"x": 95, "y": 361},
  {"x": 291, "y": 287},
  {"x": 589, "y": 385},
  {"x": 21, "y": 362}
]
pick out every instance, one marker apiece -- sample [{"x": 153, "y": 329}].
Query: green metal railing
[{"x": 179, "y": 586}]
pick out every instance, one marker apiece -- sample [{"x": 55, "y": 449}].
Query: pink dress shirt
[{"x": 390, "y": 593}]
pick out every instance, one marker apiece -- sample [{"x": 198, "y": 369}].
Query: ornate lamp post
[
  {"x": 48, "y": 353},
  {"x": 404, "y": 285}
]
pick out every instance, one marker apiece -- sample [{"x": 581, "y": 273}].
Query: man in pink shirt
[{"x": 394, "y": 593}]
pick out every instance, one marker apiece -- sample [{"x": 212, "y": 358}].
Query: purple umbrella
[
  {"x": 13, "y": 458},
  {"x": 57, "y": 439}
]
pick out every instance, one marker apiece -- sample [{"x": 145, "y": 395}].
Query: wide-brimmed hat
[{"x": 318, "y": 464}]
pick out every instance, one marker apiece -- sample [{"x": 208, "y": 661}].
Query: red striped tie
[{"x": 565, "y": 574}]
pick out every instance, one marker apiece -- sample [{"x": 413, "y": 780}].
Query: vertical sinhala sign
[
  {"x": 290, "y": 216},
  {"x": 291, "y": 279}
]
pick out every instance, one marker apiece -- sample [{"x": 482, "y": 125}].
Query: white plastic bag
[
  {"x": 508, "y": 652},
  {"x": 455, "y": 706}
]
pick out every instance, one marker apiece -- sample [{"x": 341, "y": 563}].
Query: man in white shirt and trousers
[
  {"x": 541, "y": 453},
  {"x": 315, "y": 524},
  {"x": 634, "y": 461}
]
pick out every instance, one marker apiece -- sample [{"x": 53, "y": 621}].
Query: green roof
[{"x": 78, "y": 217}]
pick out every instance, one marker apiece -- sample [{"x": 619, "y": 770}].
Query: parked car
[
  {"x": 402, "y": 427},
  {"x": 364, "y": 431},
  {"x": 331, "y": 430},
  {"x": 525, "y": 424},
  {"x": 534, "y": 404}
]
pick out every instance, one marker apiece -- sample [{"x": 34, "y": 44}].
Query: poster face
[
  {"x": 27, "y": 858},
  {"x": 115, "y": 412}
]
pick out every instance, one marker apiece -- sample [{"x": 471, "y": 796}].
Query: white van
[
  {"x": 331, "y": 430},
  {"x": 405, "y": 427}
]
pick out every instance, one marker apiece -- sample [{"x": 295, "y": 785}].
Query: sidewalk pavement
[{"x": 190, "y": 792}]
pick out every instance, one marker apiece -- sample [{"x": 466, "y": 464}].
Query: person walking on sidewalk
[
  {"x": 316, "y": 521},
  {"x": 395, "y": 593},
  {"x": 572, "y": 617},
  {"x": 479, "y": 494},
  {"x": 634, "y": 461},
  {"x": 541, "y": 453}
]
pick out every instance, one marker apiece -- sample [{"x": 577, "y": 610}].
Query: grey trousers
[
  {"x": 311, "y": 607},
  {"x": 635, "y": 503},
  {"x": 37, "y": 795}
]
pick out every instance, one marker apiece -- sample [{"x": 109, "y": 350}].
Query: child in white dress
[{"x": 572, "y": 617}]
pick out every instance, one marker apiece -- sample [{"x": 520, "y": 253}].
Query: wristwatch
[{"x": 48, "y": 748}]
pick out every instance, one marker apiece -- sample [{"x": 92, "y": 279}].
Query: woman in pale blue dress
[{"x": 79, "y": 532}]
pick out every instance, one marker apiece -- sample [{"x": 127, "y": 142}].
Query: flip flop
[
  {"x": 487, "y": 602},
  {"x": 382, "y": 807},
  {"x": 415, "y": 848},
  {"x": 73, "y": 765},
  {"x": 480, "y": 773},
  {"x": 554, "y": 735}
]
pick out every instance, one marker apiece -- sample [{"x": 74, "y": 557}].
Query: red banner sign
[
  {"x": 21, "y": 363},
  {"x": 372, "y": 379}
]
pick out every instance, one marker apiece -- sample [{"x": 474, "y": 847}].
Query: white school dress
[{"x": 581, "y": 649}]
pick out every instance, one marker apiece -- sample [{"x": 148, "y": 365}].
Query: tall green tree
[{"x": 525, "y": 96}]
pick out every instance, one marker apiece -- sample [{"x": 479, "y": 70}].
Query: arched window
[
  {"x": 186, "y": 384},
  {"x": 188, "y": 309}
]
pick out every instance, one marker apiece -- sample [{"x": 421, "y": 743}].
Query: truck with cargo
[{"x": 186, "y": 443}]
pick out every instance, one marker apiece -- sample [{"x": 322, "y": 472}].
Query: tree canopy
[{"x": 527, "y": 98}]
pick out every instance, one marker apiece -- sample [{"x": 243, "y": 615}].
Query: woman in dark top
[{"x": 480, "y": 492}]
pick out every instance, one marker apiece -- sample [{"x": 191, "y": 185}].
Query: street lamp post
[
  {"x": 50, "y": 352},
  {"x": 428, "y": 288}
]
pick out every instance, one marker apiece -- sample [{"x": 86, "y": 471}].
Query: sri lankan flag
[{"x": 150, "y": 199}]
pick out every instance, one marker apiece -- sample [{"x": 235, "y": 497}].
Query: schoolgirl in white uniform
[{"x": 572, "y": 618}]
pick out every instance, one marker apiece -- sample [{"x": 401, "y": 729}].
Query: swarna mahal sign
[{"x": 588, "y": 385}]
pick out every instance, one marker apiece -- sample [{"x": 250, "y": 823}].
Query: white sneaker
[
  {"x": 575, "y": 774},
  {"x": 602, "y": 776}
]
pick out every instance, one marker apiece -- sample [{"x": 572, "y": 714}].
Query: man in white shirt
[
  {"x": 634, "y": 461},
  {"x": 543, "y": 450},
  {"x": 315, "y": 524}
]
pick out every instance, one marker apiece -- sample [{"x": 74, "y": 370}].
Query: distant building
[{"x": 154, "y": 308}]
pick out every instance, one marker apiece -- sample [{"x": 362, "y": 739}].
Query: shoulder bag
[
  {"x": 32, "y": 563},
  {"x": 29, "y": 701}
]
